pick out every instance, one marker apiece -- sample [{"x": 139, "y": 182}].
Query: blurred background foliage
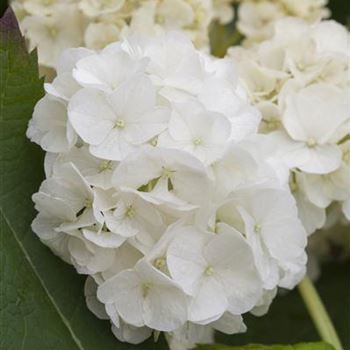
[
  {"x": 288, "y": 321},
  {"x": 3, "y": 6}
]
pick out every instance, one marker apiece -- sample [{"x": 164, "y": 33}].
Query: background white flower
[{"x": 55, "y": 25}]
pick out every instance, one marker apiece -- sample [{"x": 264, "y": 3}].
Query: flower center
[
  {"x": 209, "y": 271},
  {"x": 88, "y": 203},
  {"x": 257, "y": 228},
  {"x": 130, "y": 212},
  {"x": 301, "y": 66},
  {"x": 146, "y": 288},
  {"x": 346, "y": 156},
  {"x": 272, "y": 124},
  {"x": 197, "y": 141},
  {"x": 53, "y": 31},
  {"x": 160, "y": 263},
  {"x": 120, "y": 124},
  {"x": 311, "y": 142},
  {"x": 159, "y": 19},
  {"x": 166, "y": 173},
  {"x": 154, "y": 141},
  {"x": 105, "y": 165}
]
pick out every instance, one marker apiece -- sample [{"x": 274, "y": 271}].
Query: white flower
[
  {"x": 312, "y": 118},
  {"x": 210, "y": 268},
  {"x": 94, "y": 8},
  {"x": 99, "y": 35},
  {"x": 176, "y": 179},
  {"x": 94, "y": 305},
  {"x": 197, "y": 131},
  {"x": 191, "y": 334},
  {"x": 262, "y": 307},
  {"x": 130, "y": 118},
  {"x": 97, "y": 172},
  {"x": 71, "y": 189},
  {"x": 130, "y": 334},
  {"x": 107, "y": 70},
  {"x": 133, "y": 216},
  {"x": 145, "y": 296},
  {"x": 235, "y": 168},
  {"x": 321, "y": 190},
  {"x": 312, "y": 216},
  {"x": 299, "y": 79},
  {"x": 52, "y": 34},
  {"x": 64, "y": 86},
  {"x": 87, "y": 257},
  {"x": 50, "y": 127},
  {"x": 100, "y": 22},
  {"x": 223, "y": 10},
  {"x": 256, "y": 19},
  {"x": 277, "y": 238},
  {"x": 43, "y": 7}
]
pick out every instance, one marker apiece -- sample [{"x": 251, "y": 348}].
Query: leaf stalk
[{"x": 318, "y": 313}]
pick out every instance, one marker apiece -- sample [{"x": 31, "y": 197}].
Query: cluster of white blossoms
[
  {"x": 55, "y": 25},
  {"x": 300, "y": 81},
  {"x": 155, "y": 190},
  {"x": 256, "y": 18}
]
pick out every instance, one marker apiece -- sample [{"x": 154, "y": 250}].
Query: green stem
[{"x": 319, "y": 313}]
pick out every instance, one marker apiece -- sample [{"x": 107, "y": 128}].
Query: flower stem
[{"x": 319, "y": 313}]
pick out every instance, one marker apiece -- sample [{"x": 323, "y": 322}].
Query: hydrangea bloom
[
  {"x": 154, "y": 191},
  {"x": 256, "y": 18},
  {"x": 300, "y": 81},
  {"x": 55, "y": 25}
]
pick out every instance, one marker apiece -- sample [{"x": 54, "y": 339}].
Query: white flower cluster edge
[
  {"x": 300, "y": 81},
  {"x": 155, "y": 188},
  {"x": 55, "y": 25}
]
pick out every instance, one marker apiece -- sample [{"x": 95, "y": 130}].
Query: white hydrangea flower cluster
[
  {"x": 256, "y": 18},
  {"x": 153, "y": 190},
  {"x": 55, "y": 25},
  {"x": 300, "y": 81}
]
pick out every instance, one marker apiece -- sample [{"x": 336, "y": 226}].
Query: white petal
[
  {"x": 231, "y": 258},
  {"x": 230, "y": 324},
  {"x": 185, "y": 257},
  {"x": 165, "y": 308},
  {"x": 210, "y": 301},
  {"x": 131, "y": 334},
  {"x": 103, "y": 239},
  {"x": 91, "y": 115},
  {"x": 125, "y": 291},
  {"x": 93, "y": 304}
]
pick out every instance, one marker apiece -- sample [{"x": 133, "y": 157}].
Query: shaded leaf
[
  {"x": 42, "y": 304},
  {"x": 3, "y": 6}
]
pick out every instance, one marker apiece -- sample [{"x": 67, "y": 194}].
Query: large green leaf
[
  {"x": 303, "y": 346},
  {"x": 42, "y": 304}
]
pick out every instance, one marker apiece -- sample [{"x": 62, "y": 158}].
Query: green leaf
[
  {"x": 42, "y": 304},
  {"x": 3, "y": 6},
  {"x": 303, "y": 346},
  {"x": 340, "y": 10}
]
